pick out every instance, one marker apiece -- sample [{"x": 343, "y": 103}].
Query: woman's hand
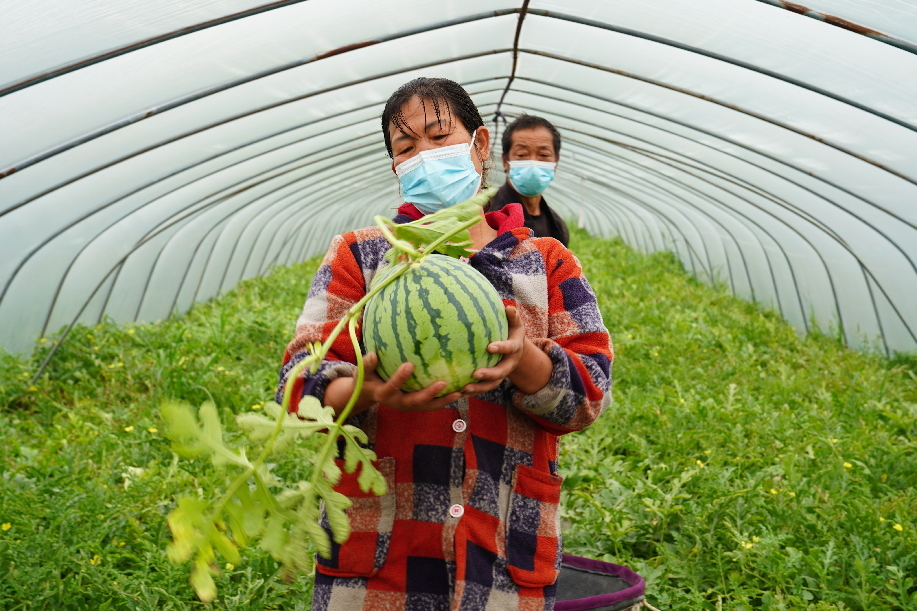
[
  {"x": 527, "y": 367},
  {"x": 388, "y": 393}
]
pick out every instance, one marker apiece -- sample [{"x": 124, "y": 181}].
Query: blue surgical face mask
[
  {"x": 530, "y": 177},
  {"x": 439, "y": 178}
]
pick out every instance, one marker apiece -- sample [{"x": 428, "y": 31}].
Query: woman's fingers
[
  {"x": 391, "y": 394},
  {"x": 511, "y": 349},
  {"x": 370, "y": 362},
  {"x": 422, "y": 400},
  {"x": 401, "y": 375},
  {"x": 476, "y": 388}
]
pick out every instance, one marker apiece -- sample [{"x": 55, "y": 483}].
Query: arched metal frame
[{"x": 744, "y": 135}]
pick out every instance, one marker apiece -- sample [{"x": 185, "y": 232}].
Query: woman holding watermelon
[{"x": 470, "y": 521}]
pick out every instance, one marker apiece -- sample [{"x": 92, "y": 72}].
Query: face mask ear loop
[{"x": 471, "y": 148}]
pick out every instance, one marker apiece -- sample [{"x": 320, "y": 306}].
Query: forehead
[
  {"x": 533, "y": 136},
  {"x": 419, "y": 112}
]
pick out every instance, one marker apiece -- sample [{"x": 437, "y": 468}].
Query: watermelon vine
[{"x": 254, "y": 505}]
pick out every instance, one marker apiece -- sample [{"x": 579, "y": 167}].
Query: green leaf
[
  {"x": 308, "y": 522},
  {"x": 246, "y": 516},
  {"x": 311, "y": 408},
  {"x": 212, "y": 434},
  {"x": 358, "y": 435},
  {"x": 182, "y": 428},
  {"x": 256, "y": 426},
  {"x": 297, "y": 555},
  {"x": 201, "y": 580},
  {"x": 226, "y": 547},
  {"x": 335, "y": 506},
  {"x": 370, "y": 479},
  {"x": 331, "y": 471},
  {"x": 252, "y": 515},
  {"x": 275, "y": 537},
  {"x": 263, "y": 472},
  {"x": 236, "y": 520},
  {"x": 291, "y": 498},
  {"x": 185, "y": 522},
  {"x": 353, "y": 455},
  {"x": 432, "y": 227}
]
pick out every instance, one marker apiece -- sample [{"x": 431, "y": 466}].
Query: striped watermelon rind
[{"x": 439, "y": 315}]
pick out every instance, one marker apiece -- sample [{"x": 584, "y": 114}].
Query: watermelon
[{"x": 440, "y": 315}]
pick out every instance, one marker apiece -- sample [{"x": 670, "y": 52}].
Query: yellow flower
[
  {"x": 230, "y": 566},
  {"x": 755, "y": 539},
  {"x": 153, "y": 429},
  {"x": 847, "y": 465},
  {"x": 130, "y": 331},
  {"x": 33, "y": 388},
  {"x": 898, "y": 527},
  {"x": 833, "y": 440},
  {"x": 699, "y": 464},
  {"x": 774, "y": 491},
  {"x": 129, "y": 429},
  {"x": 747, "y": 545},
  {"x": 95, "y": 347},
  {"x": 97, "y": 559},
  {"x": 42, "y": 340},
  {"x": 708, "y": 451},
  {"x": 256, "y": 406},
  {"x": 122, "y": 543},
  {"x": 220, "y": 368},
  {"x": 791, "y": 493},
  {"x": 630, "y": 336},
  {"x": 881, "y": 519},
  {"x": 6, "y": 526}
]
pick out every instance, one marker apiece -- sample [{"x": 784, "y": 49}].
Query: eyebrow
[{"x": 404, "y": 136}]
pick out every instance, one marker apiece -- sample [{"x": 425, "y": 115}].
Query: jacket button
[
  {"x": 459, "y": 425},
  {"x": 456, "y": 511}
]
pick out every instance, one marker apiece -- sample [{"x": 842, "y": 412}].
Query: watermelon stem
[
  {"x": 415, "y": 255},
  {"x": 410, "y": 248}
]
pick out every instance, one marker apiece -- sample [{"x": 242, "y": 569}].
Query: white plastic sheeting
[{"x": 155, "y": 153}]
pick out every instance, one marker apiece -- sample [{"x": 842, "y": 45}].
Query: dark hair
[
  {"x": 529, "y": 122},
  {"x": 440, "y": 93}
]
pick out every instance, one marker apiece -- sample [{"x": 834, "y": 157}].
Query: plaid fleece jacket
[{"x": 471, "y": 519}]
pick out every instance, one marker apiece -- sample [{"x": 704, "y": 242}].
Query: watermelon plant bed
[{"x": 739, "y": 467}]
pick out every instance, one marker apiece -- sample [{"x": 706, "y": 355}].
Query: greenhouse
[{"x": 740, "y": 182}]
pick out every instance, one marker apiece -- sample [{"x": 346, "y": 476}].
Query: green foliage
[
  {"x": 290, "y": 519},
  {"x": 87, "y": 479},
  {"x": 740, "y": 466},
  {"x": 763, "y": 410},
  {"x": 438, "y": 230},
  {"x": 249, "y": 508}
]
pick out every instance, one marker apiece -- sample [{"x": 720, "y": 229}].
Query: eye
[
  {"x": 404, "y": 151},
  {"x": 440, "y": 137}
]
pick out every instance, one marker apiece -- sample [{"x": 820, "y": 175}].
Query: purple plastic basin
[{"x": 586, "y": 584}]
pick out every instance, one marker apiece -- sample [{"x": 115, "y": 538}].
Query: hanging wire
[{"x": 497, "y": 113}]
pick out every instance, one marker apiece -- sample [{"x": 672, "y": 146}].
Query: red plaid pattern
[{"x": 499, "y": 548}]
